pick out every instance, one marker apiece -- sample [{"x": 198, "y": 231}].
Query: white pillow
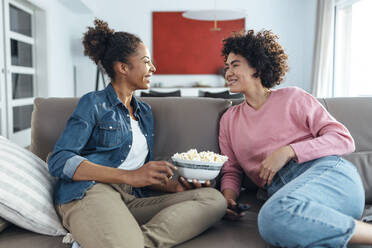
[{"x": 26, "y": 190}]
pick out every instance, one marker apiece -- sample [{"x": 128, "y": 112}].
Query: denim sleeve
[{"x": 66, "y": 156}]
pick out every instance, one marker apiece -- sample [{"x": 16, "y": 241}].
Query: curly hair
[
  {"x": 262, "y": 52},
  {"x": 105, "y": 46}
]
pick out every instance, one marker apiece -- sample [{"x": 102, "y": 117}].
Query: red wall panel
[{"x": 184, "y": 46}]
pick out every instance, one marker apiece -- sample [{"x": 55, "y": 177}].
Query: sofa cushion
[
  {"x": 26, "y": 190},
  {"x": 46, "y": 130},
  {"x": 184, "y": 123},
  {"x": 354, "y": 113},
  {"x": 16, "y": 237},
  {"x": 3, "y": 224},
  {"x": 178, "y": 126},
  {"x": 363, "y": 163},
  {"x": 234, "y": 234}
]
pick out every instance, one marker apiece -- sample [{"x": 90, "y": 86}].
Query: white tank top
[{"x": 138, "y": 151}]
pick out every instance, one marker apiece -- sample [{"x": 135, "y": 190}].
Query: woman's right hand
[{"x": 153, "y": 172}]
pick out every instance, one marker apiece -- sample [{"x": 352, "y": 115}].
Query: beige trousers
[{"x": 109, "y": 217}]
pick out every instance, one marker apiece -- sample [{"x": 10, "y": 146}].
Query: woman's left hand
[
  {"x": 274, "y": 162},
  {"x": 182, "y": 185}
]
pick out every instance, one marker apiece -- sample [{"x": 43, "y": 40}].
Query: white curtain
[{"x": 323, "y": 52}]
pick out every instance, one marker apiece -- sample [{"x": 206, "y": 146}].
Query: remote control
[{"x": 241, "y": 207}]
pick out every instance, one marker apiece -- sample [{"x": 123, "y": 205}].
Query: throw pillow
[
  {"x": 26, "y": 190},
  {"x": 3, "y": 224}
]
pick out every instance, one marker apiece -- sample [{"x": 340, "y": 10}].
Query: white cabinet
[{"x": 18, "y": 70}]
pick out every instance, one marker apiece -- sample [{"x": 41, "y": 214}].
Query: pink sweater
[{"x": 290, "y": 116}]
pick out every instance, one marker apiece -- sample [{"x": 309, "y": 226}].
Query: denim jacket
[{"x": 98, "y": 130}]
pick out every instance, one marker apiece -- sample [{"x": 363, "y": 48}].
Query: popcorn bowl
[{"x": 198, "y": 170}]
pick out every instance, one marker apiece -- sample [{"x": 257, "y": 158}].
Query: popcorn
[{"x": 208, "y": 156}]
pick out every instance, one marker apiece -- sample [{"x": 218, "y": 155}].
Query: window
[{"x": 352, "y": 48}]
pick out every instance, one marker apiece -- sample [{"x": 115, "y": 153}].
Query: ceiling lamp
[{"x": 214, "y": 15}]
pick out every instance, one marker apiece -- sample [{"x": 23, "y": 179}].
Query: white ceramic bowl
[{"x": 201, "y": 171}]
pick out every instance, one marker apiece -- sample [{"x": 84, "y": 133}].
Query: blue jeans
[{"x": 313, "y": 204}]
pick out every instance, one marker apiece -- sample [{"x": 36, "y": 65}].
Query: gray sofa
[{"x": 184, "y": 123}]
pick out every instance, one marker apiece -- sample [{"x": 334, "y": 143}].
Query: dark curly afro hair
[
  {"x": 262, "y": 52},
  {"x": 105, "y": 46}
]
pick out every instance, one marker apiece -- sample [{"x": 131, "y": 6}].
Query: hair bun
[{"x": 95, "y": 40}]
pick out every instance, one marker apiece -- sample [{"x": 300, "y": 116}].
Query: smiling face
[
  {"x": 239, "y": 74},
  {"x": 140, "y": 68}
]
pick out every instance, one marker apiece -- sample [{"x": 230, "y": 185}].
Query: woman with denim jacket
[
  {"x": 103, "y": 161},
  {"x": 289, "y": 145}
]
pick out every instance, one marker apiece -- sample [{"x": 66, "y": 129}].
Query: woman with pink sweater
[{"x": 290, "y": 146}]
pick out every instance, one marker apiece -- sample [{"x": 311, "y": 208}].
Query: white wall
[
  {"x": 293, "y": 20},
  {"x": 62, "y": 46}
]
